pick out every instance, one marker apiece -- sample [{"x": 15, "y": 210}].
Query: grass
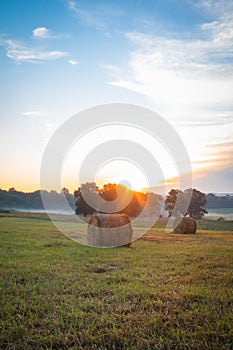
[{"x": 167, "y": 292}]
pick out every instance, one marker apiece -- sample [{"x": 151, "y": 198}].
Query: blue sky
[{"x": 59, "y": 57}]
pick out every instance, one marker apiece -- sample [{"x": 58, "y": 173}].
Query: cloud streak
[
  {"x": 73, "y": 62},
  {"x": 20, "y": 53},
  {"x": 213, "y": 118},
  {"x": 214, "y": 7},
  {"x": 35, "y": 114},
  {"x": 85, "y": 16}
]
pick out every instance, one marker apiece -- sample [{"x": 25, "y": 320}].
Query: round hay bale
[
  {"x": 187, "y": 225},
  {"x": 109, "y": 230}
]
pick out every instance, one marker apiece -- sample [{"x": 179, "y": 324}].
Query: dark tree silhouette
[
  {"x": 195, "y": 208},
  {"x": 170, "y": 202},
  {"x": 82, "y": 207},
  {"x": 12, "y": 189},
  {"x": 198, "y": 201},
  {"x": 65, "y": 190},
  {"x": 134, "y": 207},
  {"x": 109, "y": 192}
]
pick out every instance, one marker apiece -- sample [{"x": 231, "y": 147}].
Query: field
[{"x": 167, "y": 291}]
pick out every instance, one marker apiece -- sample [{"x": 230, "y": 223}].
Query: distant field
[
  {"x": 208, "y": 223},
  {"x": 226, "y": 213},
  {"x": 166, "y": 292}
]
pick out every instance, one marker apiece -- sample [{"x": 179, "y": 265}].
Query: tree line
[
  {"x": 18, "y": 200},
  {"x": 215, "y": 202},
  {"x": 200, "y": 202}
]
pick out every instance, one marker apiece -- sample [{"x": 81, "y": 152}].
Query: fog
[{"x": 43, "y": 211}]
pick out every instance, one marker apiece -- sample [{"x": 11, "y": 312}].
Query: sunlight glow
[
  {"x": 122, "y": 172},
  {"x": 117, "y": 170}
]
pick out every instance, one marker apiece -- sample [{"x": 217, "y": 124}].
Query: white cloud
[
  {"x": 215, "y": 7},
  {"x": 45, "y": 33},
  {"x": 21, "y": 53},
  {"x": 182, "y": 74},
  {"x": 85, "y": 16},
  {"x": 73, "y": 62},
  {"x": 176, "y": 73},
  {"x": 209, "y": 118},
  {"x": 35, "y": 113},
  {"x": 41, "y": 32}
]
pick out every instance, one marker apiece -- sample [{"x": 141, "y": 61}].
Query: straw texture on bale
[
  {"x": 109, "y": 230},
  {"x": 187, "y": 225}
]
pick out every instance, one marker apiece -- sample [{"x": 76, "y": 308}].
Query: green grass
[{"x": 166, "y": 292}]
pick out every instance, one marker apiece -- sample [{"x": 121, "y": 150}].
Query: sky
[{"x": 60, "y": 57}]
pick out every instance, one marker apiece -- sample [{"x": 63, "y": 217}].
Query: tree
[
  {"x": 135, "y": 206},
  {"x": 12, "y": 189},
  {"x": 170, "y": 201},
  {"x": 82, "y": 207},
  {"x": 195, "y": 207},
  {"x": 109, "y": 192},
  {"x": 65, "y": 190},
  {"x": 124, "y": 199}
]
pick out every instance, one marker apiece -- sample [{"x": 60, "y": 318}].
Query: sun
[{"x": 124, "y": 172}]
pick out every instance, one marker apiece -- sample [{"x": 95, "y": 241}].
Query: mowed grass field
[{"x": 167, "y": 291}]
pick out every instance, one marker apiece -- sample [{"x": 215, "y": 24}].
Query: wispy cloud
[
  {"x": 85, "y": 16},
  {"x": 183, "y": 74},
  {"x": 41, "y": 32},
  {"x": 217, "y": 170},
  {"x": 19, "y": 53},
  {"x": 177, "y": 71},
  {"x": 35, "y": 113},
  {"x": 73, "y": 62},
  {"x": 215, "y": 7},
  {"x": 208, "y": 119}
]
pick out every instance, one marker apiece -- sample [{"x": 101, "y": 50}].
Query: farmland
[{"x": 167, "y": 291}]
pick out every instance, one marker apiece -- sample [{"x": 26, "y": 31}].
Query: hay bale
[
  {"x": 109, "y": 230},
  {"x": 187, "y": 225}
]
